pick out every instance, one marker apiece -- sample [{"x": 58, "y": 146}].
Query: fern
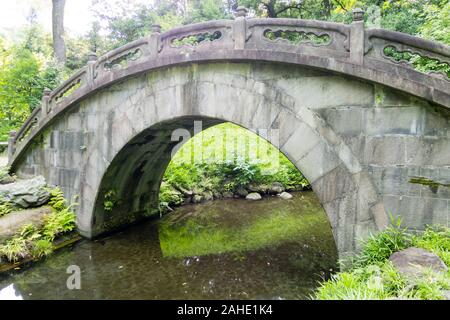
[
  {"x": 57, "y": 200},
  {"x": 5, "y": 207},
  {"x": 42, "y": 248}
]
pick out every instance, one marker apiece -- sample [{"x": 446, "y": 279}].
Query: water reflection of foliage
[{"x": 207, "y": 235}]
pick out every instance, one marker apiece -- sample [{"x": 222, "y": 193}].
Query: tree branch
[
  {"x": 297, "y": 7},
  {"x": 341, "y": 5}
]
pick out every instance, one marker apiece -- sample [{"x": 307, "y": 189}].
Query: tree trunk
[
  {"x": 271, "y": 12},
  {"x": 59, "y": 46}
]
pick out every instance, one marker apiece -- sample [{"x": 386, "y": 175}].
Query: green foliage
[
  {"x": 436, "y": 25},
  {"x": 5, "y": 207},
  {"x": 23, "y": 77},
  {"x": 14, "y": 249},
  {"x": 419, "y": 62},
  {"x": 206, "y": 10},
  {"x": 57, "y": 200},
  {"x": 297, "y": 37},
  {"x": 42, "y": 248},
  {"x": 196, "y": 39},
  {"x": 372, "y": 276},
  {"x": 111, "y": 200},
  {"x": 378, "y": 248},
  {"x": 202, "y": 164},
  {"x": 436, "y": 239},
  {"x": 58, "y": 222}
]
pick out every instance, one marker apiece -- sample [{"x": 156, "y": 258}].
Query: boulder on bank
[
  {"x": 227, "y": 194},
  {"x": 25, "y": 194},
  {"x": 13, "y": 222},
  {"x": 285, "y": 195},
  {"x": 413, "y": 261},
  {"x": 253, "y": 196},
  {"x": 276, "y": 188},
  {"x": 241, "y": 192},
  {"x": 260, "y": 188}
]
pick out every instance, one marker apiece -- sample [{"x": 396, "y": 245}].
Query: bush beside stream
[{"x": 373, "y": 276}]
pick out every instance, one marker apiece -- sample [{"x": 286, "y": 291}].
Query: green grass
[{"x": 372, "y": 276}]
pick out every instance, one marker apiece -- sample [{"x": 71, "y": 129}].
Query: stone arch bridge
[{"x": 371, "y": 133}]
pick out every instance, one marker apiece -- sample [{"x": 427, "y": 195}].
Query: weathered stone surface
[
  {"x": 276, "y": 188},
  {"x": 26, "y": 193},
  {"x": 241, "y": 192},
  {"x": 227, "y": 194},
  {"x": 413, "y": 261},
  {"x": 14, "y": 221},
  {"x": 285, "y": 195},
  {"x": 253, "y": 196},
  {"x": 260, "y": 188}
]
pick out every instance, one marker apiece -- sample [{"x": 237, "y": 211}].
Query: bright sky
[{"x": 13, "y": 14}]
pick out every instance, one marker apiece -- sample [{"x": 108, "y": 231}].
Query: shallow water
[{"x": 226, "y": 249}]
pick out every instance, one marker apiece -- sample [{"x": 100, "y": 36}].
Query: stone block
[
  {"x": 301, "y": 141},
  {"x": 320, "y": 160},
  {"x": 346, "y": 121},
  {"x": 417, "y": 212},
  {"x": 383, "y": 151},
  {"x": 399, "y": 120}
]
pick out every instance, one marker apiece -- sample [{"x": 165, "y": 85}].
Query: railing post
[
  {"x": 155, "y": 41},
  {"x": 45, "y": 107},
  {"x": 92, "y": 60},
  {"x": 357, "y": 37},
  {"x": 11, "y": 145},
  {"x": 240, "y": 28}
]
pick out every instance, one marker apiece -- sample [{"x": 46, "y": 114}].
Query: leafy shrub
[
  {"x": 436, "y": 239},
  {"x": 14, "y": 249},
  {"x": 5, "y": 207},
  {"x": 42, "y": 248},
  {"x": 378, "y": 248},
  {"x": 111, "y": 200}
]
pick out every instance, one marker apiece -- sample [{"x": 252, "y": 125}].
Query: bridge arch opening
[{"x": 130, "y": 188}]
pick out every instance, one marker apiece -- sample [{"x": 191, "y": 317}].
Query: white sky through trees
[{"x": 14, "y": 13}]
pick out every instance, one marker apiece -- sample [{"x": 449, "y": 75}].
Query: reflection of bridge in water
[{"x": 369, "y": 132}]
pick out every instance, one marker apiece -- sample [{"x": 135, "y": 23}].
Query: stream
[{"x": 224, "y": 249}]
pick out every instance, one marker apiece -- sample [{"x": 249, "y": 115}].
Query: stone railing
[
  {"x": 348, "y": 49},
  {"x": 383, "y": 48}
]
